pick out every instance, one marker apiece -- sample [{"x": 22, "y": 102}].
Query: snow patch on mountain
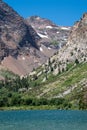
[
  {"x": 57, "y": 32},
  {"x": 50, "y": 27},
  {"x": 42, "y": 36},
  {"x": 65, "y": 28},
  {"x": 41, "y": 49}
]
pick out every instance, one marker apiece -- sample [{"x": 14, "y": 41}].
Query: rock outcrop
[{"x": 76, "y": 47}]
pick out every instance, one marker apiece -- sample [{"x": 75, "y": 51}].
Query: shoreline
[{"x": 42, "y": 107}]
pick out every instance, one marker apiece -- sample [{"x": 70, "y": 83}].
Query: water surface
[{"x": 43, "y": 120}]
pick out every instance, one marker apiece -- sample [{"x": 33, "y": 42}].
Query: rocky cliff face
[
  {"x": 14, "y": 33},
  {"x": 76, "y": 47}
]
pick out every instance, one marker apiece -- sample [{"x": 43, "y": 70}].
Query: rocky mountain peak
[
  {"x": 52, "y": 35},
  {"x": 33, "y": 18},
  {"x": 40, "y": 21},
  {"x": 81, "y": 23}
]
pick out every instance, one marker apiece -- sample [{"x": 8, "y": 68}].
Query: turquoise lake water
[{"x": 43, "y": 120}]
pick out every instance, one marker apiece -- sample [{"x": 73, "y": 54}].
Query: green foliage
[
  {"x": 15, "y": 100},
  {"x": 56, "y": 101},
  {"x": 54, "y": 85},
  {"x": 7, "y": 74},
  {"x": 69, "y": 66},
  {"x": 1, "y": 103},
  {"x": 28, "y": 101},
  {"x": 77, "y": 61},
  {"x": 54, "y": 42}
]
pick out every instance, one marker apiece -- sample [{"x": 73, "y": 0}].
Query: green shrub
[{"x": 77, "y": 61}]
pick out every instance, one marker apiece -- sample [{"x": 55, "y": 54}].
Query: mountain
[
  {"x": 51, "y": 34},
  {"x": 19, "y": 43},
  {"x": 26, "y": 44}
]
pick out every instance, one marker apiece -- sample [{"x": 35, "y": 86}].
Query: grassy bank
[{"x": 43, "y": 107}]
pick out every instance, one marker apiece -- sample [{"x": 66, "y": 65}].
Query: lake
[{"x": 43, "y": 120}]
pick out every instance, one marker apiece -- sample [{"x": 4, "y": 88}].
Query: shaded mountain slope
[{"x": 14, "y": 33}]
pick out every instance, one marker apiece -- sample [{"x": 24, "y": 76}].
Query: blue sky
[{"x": 61, "y": 12}]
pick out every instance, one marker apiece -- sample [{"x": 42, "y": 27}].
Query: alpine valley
[{"x": 42, "y": 65}]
